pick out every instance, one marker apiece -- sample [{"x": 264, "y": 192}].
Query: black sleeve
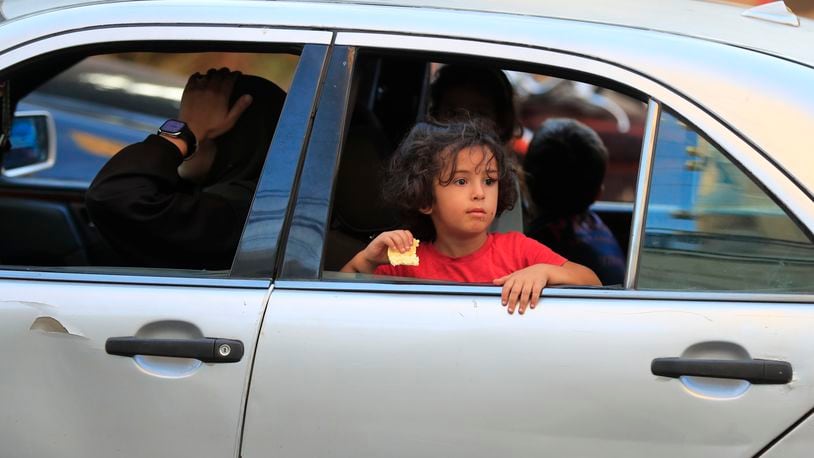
[{"x": 155, "y": 218}]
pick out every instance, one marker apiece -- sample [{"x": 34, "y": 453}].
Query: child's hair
[
  {"x": 565, "y": 166},
  {"x": 422, "y": 157},
  {"x": 484, "y": 80}
]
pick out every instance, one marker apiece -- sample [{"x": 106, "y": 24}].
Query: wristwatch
[{"x": 179, "y": 129}]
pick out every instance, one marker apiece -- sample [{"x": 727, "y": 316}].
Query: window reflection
[{"x": 710, "y": 227}]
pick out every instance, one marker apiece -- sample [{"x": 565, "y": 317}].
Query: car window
[
  {"x": 391, "y": 93},
  {"x": 105, "y": 102},
  {"x": 709, "y": 226},
  {"x": 97, "y": 105}
]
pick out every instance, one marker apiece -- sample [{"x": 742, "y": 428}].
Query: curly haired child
[{"x": 450, "y": 182}]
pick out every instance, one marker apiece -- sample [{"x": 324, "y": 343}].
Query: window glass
[
  {"x": 709, "y": 226},
  {"x": 90, "y": 109},
  {"x": 105, "y": 102}
]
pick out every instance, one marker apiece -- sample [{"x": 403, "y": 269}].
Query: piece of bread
[{"x": 408, "y": 258}]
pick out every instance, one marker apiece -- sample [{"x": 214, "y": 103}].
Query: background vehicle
[
  {"x": 97, "y": 113},
  {"x": 719, "y": 274}
]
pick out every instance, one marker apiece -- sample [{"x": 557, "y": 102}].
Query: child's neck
[{"x": 457, "y": 247}]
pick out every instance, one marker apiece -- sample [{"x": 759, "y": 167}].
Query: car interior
[
  {"x": 99, "y": 102},
  {"x": 391, "y": 93},
  {"x": 388, "y": 95},
  {"x": 48, "y": 225}
]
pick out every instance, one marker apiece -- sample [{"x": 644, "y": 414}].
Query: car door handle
[
  {"x": 207, "y": 349},
  {"x": 756, "y": 371}
]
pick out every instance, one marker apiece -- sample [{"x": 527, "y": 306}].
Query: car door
[
  {"x": 111, "y": 360},
  {"x": 350, "y": 365}
]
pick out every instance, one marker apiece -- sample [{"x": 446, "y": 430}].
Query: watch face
[{"x": 172, "y": 126}]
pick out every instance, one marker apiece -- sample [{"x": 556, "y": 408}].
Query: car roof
[
  {"x": 717, "y": 21},
  {"x": 710, "y": 20}
]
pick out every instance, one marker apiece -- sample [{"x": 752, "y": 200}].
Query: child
[
  {"x": 451, "y": 181},
  {"x": 565, "y": 166}
]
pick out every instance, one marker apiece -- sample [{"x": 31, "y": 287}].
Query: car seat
[
  {"x": 388, "y": 95},
  {"x": 40, "y": 233}
]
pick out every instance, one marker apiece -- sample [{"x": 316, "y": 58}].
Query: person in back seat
[
  {"x": 450, "y": 181},
  {"x": 461, "y": 92},
  {"x": 180, "y": 198},
  {"x": 565, "y": 166}
]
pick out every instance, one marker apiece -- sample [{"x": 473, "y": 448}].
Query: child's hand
[
  {"x": 376, "y": 250},
  {"x": 523, "y": 287},
  {"x": 375, "y": 253}
]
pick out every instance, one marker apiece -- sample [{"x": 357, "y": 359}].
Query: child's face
[{"x": 465, "y": 206}]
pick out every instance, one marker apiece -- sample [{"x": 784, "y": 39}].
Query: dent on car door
[
  {"x": 387, "y": 367},
  {"x": 172, "y": 380}
]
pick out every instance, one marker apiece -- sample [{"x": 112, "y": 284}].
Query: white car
[{"x": 704, "y": 350}]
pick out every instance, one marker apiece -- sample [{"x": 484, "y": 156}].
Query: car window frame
[
  {"x": 306, "y": 235},
  {"x": 272, "y": 203},
  {"x": 259, "y": 250},
  {"x": 736, "y": 145}
]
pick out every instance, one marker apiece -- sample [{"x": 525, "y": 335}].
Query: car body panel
[
  {"x": 711, "y": 20},
  {"x": 59, "y": 373},
  {"x": 454, "y": 375},
  {"x": 796, "y": 444}
]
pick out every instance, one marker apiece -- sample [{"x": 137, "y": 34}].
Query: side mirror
[{"x": 33, "y": 144}]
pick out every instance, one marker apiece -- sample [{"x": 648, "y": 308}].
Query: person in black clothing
[
  {"x": 463, "y": 92},
  {"x": 181, "y": 201},
  {"x": 565, "y": 166}
]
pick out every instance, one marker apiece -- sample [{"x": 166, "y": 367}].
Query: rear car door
[
  {"x": 111, "y": 360},
  {"x": 374, "y": 367}
]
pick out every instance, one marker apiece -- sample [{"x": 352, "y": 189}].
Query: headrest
[{"x": 358, "y": 207}]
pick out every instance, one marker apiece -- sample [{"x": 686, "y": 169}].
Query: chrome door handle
[
  {"x": 207, "y": 349},
  {"x": 756, "y": 371}
]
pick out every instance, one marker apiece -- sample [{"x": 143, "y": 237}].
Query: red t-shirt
[{"x": 501, "y": 255}]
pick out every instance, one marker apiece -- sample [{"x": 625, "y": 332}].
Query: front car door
[
  {"x": 361, "y": 366},
  {"x": 68, "y": 390}
]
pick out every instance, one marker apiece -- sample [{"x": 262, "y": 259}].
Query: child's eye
[
  {"x": 460, "y": 181},
  {"x": 490, "y": 181}
]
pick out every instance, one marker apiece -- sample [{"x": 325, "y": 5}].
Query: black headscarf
[{"x": 242, "y": 150}]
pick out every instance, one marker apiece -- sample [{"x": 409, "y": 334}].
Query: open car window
[
  {"x": 390, "y": 93},
  {"x": 104, "y": 102},
  {"x": 95, "y": 106}
]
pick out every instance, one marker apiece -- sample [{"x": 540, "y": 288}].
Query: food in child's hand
[{"x": 408, "y": 258}]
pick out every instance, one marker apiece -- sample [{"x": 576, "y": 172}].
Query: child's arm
[
  {"x": 375, "y": 253},
  {"x": 523, "y": 287}
]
